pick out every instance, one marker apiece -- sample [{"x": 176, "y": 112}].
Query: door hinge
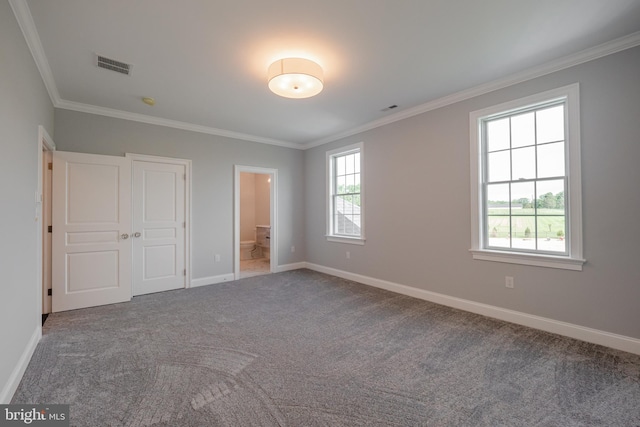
[
  {"x": 50, "y": 229},
  {"x": 184, "y": 272},
  {"x": 184, "y": 224},
  {"x": 49, "y": 291},
  {"x": 50, "y": 166}
]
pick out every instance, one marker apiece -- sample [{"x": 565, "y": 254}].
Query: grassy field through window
[{"x": 519, "y": 230}]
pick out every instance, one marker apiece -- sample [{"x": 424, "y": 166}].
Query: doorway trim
[
  {"x": 273, "y": 213},
  {"x": 45, "y": 143},
  {"x": 187, "y": 194}
]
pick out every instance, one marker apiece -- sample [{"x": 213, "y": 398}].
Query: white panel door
[
  {"x": 91, "y": 218},
  {"x": 159, "y": 227}
]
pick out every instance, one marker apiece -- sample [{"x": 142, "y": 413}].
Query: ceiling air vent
[{"x": 113, "y": 65}]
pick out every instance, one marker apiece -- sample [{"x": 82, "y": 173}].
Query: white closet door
[
  {"x": 159, "y": 227},
  {"x": 91, "y": 218}
]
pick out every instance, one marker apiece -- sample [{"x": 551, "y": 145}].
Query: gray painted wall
[
  {"x": 212, "y": 173},
  {"x": 24, "y": 104},
  {"x": 418, "y": 205}
]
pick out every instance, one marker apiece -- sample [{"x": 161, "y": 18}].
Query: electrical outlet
[
  {"x": 217, "y": 257},
  {"x": 293, "y": 249},
  {"x": 348, "y": 255},
  {"x": 508, "y": 282}
]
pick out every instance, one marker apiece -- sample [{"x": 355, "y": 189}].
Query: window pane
[
  {"x": 523, "y": 130},
  {"x": 497, "y": 199},
  {"x": 357, "y": 162},
  {"x": 498, "y": 134},
  {"x": 499, "y": 166},
  {"x": 348, "y": 224},
  {"x": 343, "y": 205},
  {"x": 340, "y": 165},
  {"x": 523, "y": 232},
  {"x": 550, "y": 124},
  {"x": 550, "y": 200},
  {"x": 551, "y": 234},
  {"x": 498, "y": 231},
  {"x": 350, "y": 159},
  {"x": 524, "y": 163},
  {"x": 340, "y": 187},
  {"x": 350, "y": 184},
  {"x": 522, "y": 195},
  {"x": 355, "y": 219},
  {"x": 338, "y": 224},
  {"x": 551, "y": 160}
]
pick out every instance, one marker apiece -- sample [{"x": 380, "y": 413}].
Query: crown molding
[
  {"x": 25, "y": 22},
  {"x": 143, "y": 118},
  {"x": 27, "y": 25},
  {"x": 590, "y": 54}
]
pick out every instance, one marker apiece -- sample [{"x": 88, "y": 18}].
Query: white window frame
[
  {"x": 331, "y": 237},
  {"x": 573, "y": 199}
]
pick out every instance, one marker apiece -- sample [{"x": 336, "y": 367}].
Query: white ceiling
[{"x": 205, "y": 62}]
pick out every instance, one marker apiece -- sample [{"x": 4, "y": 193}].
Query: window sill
[
  {"x": 548, "y": 261},
  {"x": 349, "y": 240}
]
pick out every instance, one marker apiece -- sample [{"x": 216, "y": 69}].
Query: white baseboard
[
  {"x": 212, "y": 280},
  {"x": 289, "y": 267},
  {"x": 16, "y": 376},
  {"x": 619, "y": 342}
]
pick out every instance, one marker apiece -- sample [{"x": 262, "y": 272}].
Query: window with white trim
[
  {"x": 345, "y": 198},
  {"x": 526, "y": 198}
]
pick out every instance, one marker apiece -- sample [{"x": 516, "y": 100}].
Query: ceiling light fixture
[{"x": 295, "y": 78}]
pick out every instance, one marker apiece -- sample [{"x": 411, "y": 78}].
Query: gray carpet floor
[{"x": 305, "y": 349}]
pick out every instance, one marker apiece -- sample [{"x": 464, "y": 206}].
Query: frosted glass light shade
[{"x": 295, "y": 78}]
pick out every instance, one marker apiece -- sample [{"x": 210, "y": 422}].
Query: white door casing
[
  {"x": 46, "y": 235},
  {"x": 91, "y": 217},
  {"x": 159, "y": 227},
  {"x": 43, "y": 205}
]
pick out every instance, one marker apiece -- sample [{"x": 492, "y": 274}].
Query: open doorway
[{"x": 254, "y": 249}]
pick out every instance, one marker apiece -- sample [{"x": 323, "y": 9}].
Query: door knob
[
  {"x": 137, "y": 234},
  {"x": 124, "y": 236}
]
